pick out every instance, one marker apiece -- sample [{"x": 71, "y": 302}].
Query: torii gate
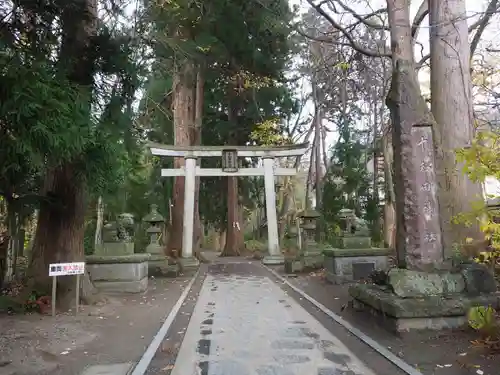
[{"x": 230, "y": 167}]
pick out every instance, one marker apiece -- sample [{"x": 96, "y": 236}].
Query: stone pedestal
[
  {"x": 119, "y": 274},
  {"x": 189, "y": 264},
  {"x": 416, "y": 300},
  {"x": 273, "y": 260},
  {"x": 114, "y": 267},
  {"x": 353, "y": 258},
  {"x": 114, "y": 248},
  {"x": 348, "y": 265}
]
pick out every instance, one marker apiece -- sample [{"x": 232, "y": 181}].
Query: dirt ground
[
  {"x": 433, "y": 353},
  {"x": 116, "y": 332}
]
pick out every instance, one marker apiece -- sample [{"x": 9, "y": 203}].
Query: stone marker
[{"x": 421, "y": 294}]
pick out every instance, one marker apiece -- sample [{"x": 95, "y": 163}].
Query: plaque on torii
[{"x": 229, "y": 160}]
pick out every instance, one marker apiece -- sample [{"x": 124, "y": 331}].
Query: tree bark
[
  {"x": 183, "y": 107},
  {"x": 451, "y": 102},
  {"x": 408, "y": 111},
  {"x": 61, "y": 226},
  {"x": 99, "y": 222},
  {"x": 60, "y": 232},
  {"x": 390, "y": 197},
  {"x": 234, "y": 233},
  {"x": 196, "y": 141}
]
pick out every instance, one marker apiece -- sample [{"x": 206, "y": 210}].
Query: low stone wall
[
  {"x": 119, "y": 274},
  {"x": 347, "y": 265}
]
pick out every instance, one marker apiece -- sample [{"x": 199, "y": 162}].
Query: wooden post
[
  {"x": 77, "y": 293},
  {"x": 54, "y": 292}
]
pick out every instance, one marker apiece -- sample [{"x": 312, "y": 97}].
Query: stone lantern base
[{"x": 273, "y": 260}]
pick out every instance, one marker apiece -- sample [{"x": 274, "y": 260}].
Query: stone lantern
[
  {"x": 155, "y": 221},
  {"x": 311, "y": 251},
  {"x": 308, "y": 226},
  {"x": 158, "y": 259}
]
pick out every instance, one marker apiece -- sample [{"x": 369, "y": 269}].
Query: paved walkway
[{"x": 246, "y": 324}]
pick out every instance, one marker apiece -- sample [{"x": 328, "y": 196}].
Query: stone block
[
  {"x": 155, "y": 249},
  {"x": 340, "y": 264},
  {"x": 273, "y": 260},
  {"x": 115, "y": 248},
  {"x": 189, "y": 264},
  {"x": 312, "y": 258},
  {"x": 132, "y": 258},
  {"x": 136, "y": 286},
  {"x": 410, "y": 283},
  {"x": 478, "y": 279},
  {"x": 353, "y": 242},
  {"x": 119, "y": 274},
  {"x": 293, "y": 265},
  {"x": 425, "y": 312},
  {"x": 158, "y": 265},
  {"x": 114, "y": 369},
  {"x": 118, "y": 271}
]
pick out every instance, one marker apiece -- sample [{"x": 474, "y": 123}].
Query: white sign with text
[{"x": 66, "y": 269}]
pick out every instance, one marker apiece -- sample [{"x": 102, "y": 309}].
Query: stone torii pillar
[{"x": 274, "y": 255}]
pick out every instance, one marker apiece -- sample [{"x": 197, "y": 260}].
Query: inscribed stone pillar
[{"x": 418, "y": 230}]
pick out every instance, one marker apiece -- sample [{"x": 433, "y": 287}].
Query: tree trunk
[
  {"x": 451, "y": 102},
  {"x": 61, "y": 226},
  {"x": 99, "y": 222},
  {"x": 183, "y": 106},
  {"x": 60, "y": 232},
  {"x": 408, "y": 110},
  {"x": 196, "y": 141},
  {"x": 222, "y": 239},
  {"x": 390, "y": 198},
  {"x": 234, "y": 233}
]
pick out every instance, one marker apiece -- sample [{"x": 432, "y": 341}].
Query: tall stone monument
[{"x": 424, "y": 291}]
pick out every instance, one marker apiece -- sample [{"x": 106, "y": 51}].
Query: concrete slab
[
  {"x": 114, "y": 369},
  {"x": 248, "y": 325}
]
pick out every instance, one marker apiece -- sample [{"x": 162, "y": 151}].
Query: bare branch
[
  {"x": 363, "y": 19},
  {"x": 483, "y": 22},
  {"x": 422, "y": 12},
  {"x": 352, "y": 42},
  {"x": 480, "y": 25},
  {"x": 366, "y": 17}
]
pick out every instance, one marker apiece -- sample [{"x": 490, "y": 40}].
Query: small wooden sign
[
  {"x": 229, "y": 160},
  {"x": 66, "y": 269}
]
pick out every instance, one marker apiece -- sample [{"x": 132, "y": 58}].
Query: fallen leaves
[{"x": 167, "y": 368}]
